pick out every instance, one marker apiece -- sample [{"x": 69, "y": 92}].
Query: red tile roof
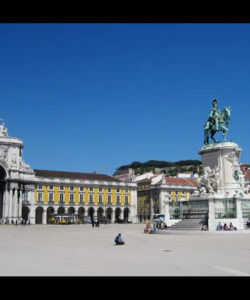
[
  {"x": 181, "y": 181},
  {"x": 74, "y": 175}
]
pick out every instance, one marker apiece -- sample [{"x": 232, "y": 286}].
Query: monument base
[
  {"x": 223, "y": 177},
  {"x": 211, "y": 211},
  {"x": 225, "y": 211}
]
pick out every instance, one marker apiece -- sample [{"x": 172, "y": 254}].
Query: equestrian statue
[{"x": 217, "y": 121}]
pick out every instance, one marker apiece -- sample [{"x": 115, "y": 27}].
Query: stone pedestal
[
  {"x": 221, "y": 166},
  {"x": 222, "y": 184}
]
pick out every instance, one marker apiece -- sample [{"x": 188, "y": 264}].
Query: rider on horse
[
  {"x": 214, "y": 116},
  {"x": 217, "y": 121}
]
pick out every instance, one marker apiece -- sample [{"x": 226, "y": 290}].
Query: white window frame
[
  {"x": 40, "y": 197},
  {"x": 71, "y": 198},
  {"x": 91, "y": 196},
  {"x": 51, "y": 195},
  {"x": 81, "y": 196},
  {"x": 61, "y": 195}
]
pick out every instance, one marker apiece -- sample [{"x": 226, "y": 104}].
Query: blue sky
[{"x": 85, "y": 97}]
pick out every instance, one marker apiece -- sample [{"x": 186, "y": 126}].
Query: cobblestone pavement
[{"x": 80, "y": 250}]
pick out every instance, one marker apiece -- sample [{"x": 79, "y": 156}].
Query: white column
[
  {"x": 211, "y": 215},
  {"x": 161, "y": 204},
  {"x": 15, "y": 203},
  {"x": 167, "y": 212},
  {"x": 133, "y": 207},
  {"x": 6, "y": 203},
  {"x": 113, "y": 216},
  {"x": 31, "y": 199},
  {"x": 10, "y": 203},
  {"x": 31, "y": 216},
  {"x": 151, "y": 205},
  {"x": 239, "y": 214},
  {"x": 44, "y": 221},
  {"x": 20, "y": 204}
]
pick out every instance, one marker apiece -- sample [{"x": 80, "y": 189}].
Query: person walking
[{"x": 92, "y": 222}]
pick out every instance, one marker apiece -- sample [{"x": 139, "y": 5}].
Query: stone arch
[
  {"x": 3, "y": 173},
  {"x": 50, "y": 212},
  {"x": 118, "y": 214},
  {"x": 81, "y": 212},
  {"x": 91, "y": 211},
  {"x": 109, "y": 213},
  {"x": 61, "y": 210},
  {"x": 126, "y": 213},
  {"x": 3, "y": 176},
  {"x": 100, "y": 212},
  {"x": 71, "y": 210},
  {"x": 25, "y": 213},
  {"x": 39, "y": 215}
]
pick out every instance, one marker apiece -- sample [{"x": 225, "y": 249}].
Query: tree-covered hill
[{"x": 169, "y": 168}]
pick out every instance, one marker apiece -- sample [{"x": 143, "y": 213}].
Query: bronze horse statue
[{"x": 222, "y": 126}]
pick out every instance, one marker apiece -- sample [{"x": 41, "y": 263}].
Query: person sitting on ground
[
  {"x": 152, "y": 229},
  {"x": 204, "y": 227},
  {"x": 147, "y": 228},
  {"x": 164, "y": 226},
  {"x": 119, "y": 240},
  {"x": 231, "y": 227},
  {"x": 225, "y": 227},
  {"x": 158, "y": 225},
  {"x": 219, "y": 227}
]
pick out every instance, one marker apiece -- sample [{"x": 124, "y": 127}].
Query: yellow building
[
  {"x": 143, "y": 199},
  {"x": 84, "y": 195}
]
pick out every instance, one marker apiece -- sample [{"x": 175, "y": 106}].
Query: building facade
[
  {"x": 35, "y": 195},
  {"x": 153, "y": 191}
]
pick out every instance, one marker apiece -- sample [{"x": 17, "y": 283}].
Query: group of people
[
  {"x": 17, "y": 222},
  {"x": 225, "y": 227},
  {"x": 152, "y": 228},
  {"x": 95, "y": 222},
  {"x": 161, "y": 225}
]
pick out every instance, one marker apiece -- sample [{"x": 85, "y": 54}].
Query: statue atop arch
[
  {"x": 3, "y": 129},
  {"x": 217, "y": 121}
]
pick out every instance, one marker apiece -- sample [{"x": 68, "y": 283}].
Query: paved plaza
[{"x": 80, "y": 250}]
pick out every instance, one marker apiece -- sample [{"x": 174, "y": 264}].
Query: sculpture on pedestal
[
  {"x": 3, "y": 129},
  {"x": 217, "y": 121},
  {"x": 209, "y": 182}
]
